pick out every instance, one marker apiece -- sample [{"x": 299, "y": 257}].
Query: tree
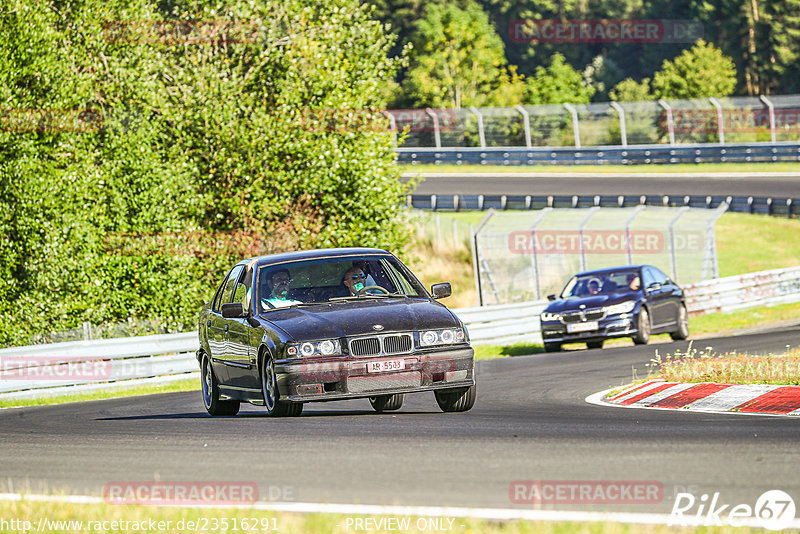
[
  {"x": 557, "y": 83},
  {"x": 458, "y": 60},
  {"x": 702, "y": 71},
  {"x": 629, "y": 90}
]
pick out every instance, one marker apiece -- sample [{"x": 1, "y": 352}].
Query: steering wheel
[{"x": 367, "y": 288}]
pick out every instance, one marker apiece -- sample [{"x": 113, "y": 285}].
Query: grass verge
[
  {"x": 554, "y": 169},
  {"x": 178, "y": 385},
  {"x": 705, "y": 366},
  {"x": 56, "y": 517}
]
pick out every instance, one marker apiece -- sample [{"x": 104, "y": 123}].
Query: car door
[
  {"x": 241, "y": 355},
  {"x": 659, "y": 297},
  {"x": 216, "y": 326}
]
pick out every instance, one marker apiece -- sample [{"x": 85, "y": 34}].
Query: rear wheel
[
  {"x": 683, "y": 325},
  {"x": 210, "y": 386},
  {"x": 594, "y": 344},
  {"x": 552, "y": 347},
  {"x": 643, "y": 328},
  {"x": 456, "y": 400},
  {"x": 387, "y": 403},
  {"x": 269, "y": 388}
]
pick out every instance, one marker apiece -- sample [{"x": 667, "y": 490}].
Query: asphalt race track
[
  {"x": 775, "y": 185},
  {"x": 530, "y": 422}
]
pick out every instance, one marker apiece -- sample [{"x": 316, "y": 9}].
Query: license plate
[
  {"x": 386, "y": 365},
  {"x": 582, "y": 327}
]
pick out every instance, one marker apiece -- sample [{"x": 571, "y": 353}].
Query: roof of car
[
  {"x": 300, "y": 255},
  {"x": 607, "y": 270}
]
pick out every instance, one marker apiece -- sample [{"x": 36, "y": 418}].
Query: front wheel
[
  {"x": 643, "y": 328},
  {"x": 210, "y": 386},
  {"x": 552, "y": 347},
  {"x": 456, "y": 400},
  {"x": 387, "y": 403},
  {"x": 683, "y": 325},
  {"x": 269, "y": 388}
]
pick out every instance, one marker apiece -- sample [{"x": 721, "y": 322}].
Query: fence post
[
  {"x": 526, "y": 119},
  {"x": 436, "y": 132},
  {"x": 673, "y": 257},
  {"x": 534, "y": 253},
  {"x": 585, "y": 220},
  {"x": 575, "y": 127},
  {"x": 670, "y": 122},
  {"x": 475, "y": 252},
  {"x": 481, "y": 134},
  {"x": 767, "y": 102},
  {"x": 622, "y": 132},
  {"x": 628, "y": 223},
  {"x": 720, "y": 119}
]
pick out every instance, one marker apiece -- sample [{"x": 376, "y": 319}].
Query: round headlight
[
  {"x": 307, "y": 349},
  {"x": 327, "y": 347},
  {"x": 447, "y": 336},
  {"x": 459, "y": 335},
  {"x": 428, "y": 338}
]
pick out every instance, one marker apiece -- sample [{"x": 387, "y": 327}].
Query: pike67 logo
[{"x": 773, "y": 510}]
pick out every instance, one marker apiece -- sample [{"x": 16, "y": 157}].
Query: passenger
[
  {"x": 594, "y": 286},
  {"x": 633, "y": 281}
]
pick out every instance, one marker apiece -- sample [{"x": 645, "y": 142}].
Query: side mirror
[
  {"x": 440, "y": 291},
  {"x": 232, "y": 310},
  {"x": 551, "y": 297},
  {"x": 655, "y": 286}
]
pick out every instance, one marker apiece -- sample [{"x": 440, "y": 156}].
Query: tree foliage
[
  {"x": 702, "y": 71},
  {"x": 148, "y": 145},
  {"x": 558, "y": 83}
]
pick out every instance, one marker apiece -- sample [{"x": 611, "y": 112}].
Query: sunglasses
[{"x": 358, "y": 277}]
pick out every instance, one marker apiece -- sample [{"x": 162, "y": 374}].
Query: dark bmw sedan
[
  {"x": 632, "y": 301},
  {"x": 324, "y": 325}
]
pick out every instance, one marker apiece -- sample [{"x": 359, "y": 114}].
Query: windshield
[
  {"x": 616, "y": 282},
  {"x": 334, "y": 279}
]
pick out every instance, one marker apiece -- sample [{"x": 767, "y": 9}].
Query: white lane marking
[
  {"x": 652, "y": 399},
  {"x": 502, "y": 514},
  {"x": 729, "y": 398}
]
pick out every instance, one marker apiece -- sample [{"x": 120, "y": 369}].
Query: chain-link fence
[
  {"x": 524, "y": 256},
  {"x": 701, "y": 120}
]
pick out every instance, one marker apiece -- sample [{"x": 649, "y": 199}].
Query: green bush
[{"x": 147, "y": 148}]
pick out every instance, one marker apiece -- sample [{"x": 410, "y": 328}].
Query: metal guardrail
[
  {"x": 37, "y": 370},
  {"x": 603, "y": 155},
  {"x": 787, "y": 207}
]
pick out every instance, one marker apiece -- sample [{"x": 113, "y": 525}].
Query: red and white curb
[{"x": 762, "y": 399}]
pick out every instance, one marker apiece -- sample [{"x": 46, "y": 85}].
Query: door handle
[{"x": 226, "y": 329}]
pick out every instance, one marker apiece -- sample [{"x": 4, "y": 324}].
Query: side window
[
  {"x": 647, "y": 275},
  {"x": 227, "y": 290},
  {"x": 241, "y": 292},
  {"x": 659, "y": 276}
]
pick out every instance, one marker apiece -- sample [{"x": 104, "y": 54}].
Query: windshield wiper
[{"x": 370, "y": 296}]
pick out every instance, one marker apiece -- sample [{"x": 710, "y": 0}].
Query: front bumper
[
  {"x": 623, "y": 325},
  {"x": 340, "y": 378}
]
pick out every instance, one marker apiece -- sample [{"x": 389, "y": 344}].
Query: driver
[
  {"x": 354, "y": 279},
  {"x": 594, "y": 286},
  {"x": 278, "y": 284}
]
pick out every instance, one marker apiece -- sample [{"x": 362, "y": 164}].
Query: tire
[
  {"x": 643, "y": 328},
  {"x": 210, "y": 388},
  {"x": 456, "y": 400},
  {"x": 683, "y": 325},
  {"x": 552, "y": 347},
  {"x": 387, "y": 403},
  {"x": 595, "y": 344},
  {"x": 269, "y": 389}
]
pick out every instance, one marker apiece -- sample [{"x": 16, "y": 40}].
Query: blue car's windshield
[
  {"x": 331, "y": 279},
  {"x": 616, "y": 282}
]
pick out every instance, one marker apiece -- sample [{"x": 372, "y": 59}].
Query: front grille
[
  {"x": 378, "y": 382},
  {"x": 397, "y": 344},
  {"x": 594, "y": 315},
  {"x": 572, "y": 317},
  {"x": 368, "y": 346},
  {"x": 386, "y": 344}
]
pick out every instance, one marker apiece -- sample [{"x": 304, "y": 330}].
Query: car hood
[
  {"x": 594, "y": 301},
  {"x": 353, "y": 318}
]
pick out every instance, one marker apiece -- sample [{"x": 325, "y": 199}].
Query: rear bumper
[{"x": 349, "y": 378}]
